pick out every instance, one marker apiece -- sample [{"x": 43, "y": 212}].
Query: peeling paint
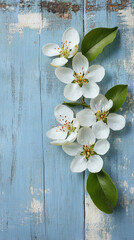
[
  {"x": 38, "y": 191},
  {"x": 133, "y": 174},
  {"x": 131, "y": 190},
  {"x": 125, "y": 185},
  {"x": 32, "y": 21},
  {"x": 127, "y": 18},
  {"x": 118, "y": 139},
  {"x": 92, "y": 7},
  {"x": 36, "y": 207},
  {"x": 116, "y": 6},
  {"x": 61, "y": 9},
  {"x": 44, "y": 190},
  {"x": 124, "y": 203},
  {"x": 3, "y": 6},
  {"x": 31, "y": 190},
  {"x": 97, "y": 224},
  {"x": 110, "y": 6}
]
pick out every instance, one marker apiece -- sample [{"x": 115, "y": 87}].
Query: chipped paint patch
[
  {"x": 97, "y": 224},
  {"x": 125, "y": 185},
  {"x": 32, "y": 21},
  {"x": 124, "y": 203},
  {"x": 133, "y": 174},
  {"x": 61, "y": 9},
  {"x": 44, "y": 190},
  {"x": 92, "y": 7},
  {"x": 38, "y": 191},
  {"x": 131, "y": 190},
  {"x": 3, "y": 6},
  {"x": 36, "y": 208}
]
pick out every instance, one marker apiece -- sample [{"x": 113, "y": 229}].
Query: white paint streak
[
  {"x": 127, "y": 16},
  {"x": 127, "y": 19},
  {"x": 31, "y": 190},
  {"x": 129, "y": 64},
  {"x": 97, "y": 224},
  {"x": 132, "y": 174},
  {"x": 33, "y": 21}
]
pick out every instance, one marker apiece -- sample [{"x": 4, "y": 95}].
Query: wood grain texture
[{"x": 40, "y": 198}]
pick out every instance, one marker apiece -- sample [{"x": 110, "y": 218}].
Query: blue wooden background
[{"x": 40, "y": 199}]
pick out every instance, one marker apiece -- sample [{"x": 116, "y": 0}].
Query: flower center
[
  {"x": 100, "y": 115},
  {"x": 88, "y": 151},
  {"x": 65, "y": 50},
  {"x": 79, "y": 79},
  {"x": 69, "y": 127}
]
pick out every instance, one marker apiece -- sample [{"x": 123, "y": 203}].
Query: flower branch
[{"x": 85, "y": 136}]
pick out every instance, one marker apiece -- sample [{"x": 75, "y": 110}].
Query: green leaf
[
  {"x": 102, "y": 191},
  {"x": 95, "y": 40},
  {"x": 118, "y": 95}
]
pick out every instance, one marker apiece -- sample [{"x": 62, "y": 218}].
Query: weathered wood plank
[
  {"x": 22, "y": 187},
  {"x": 64, "y": 208},
  {"x": 118, "y": 61},
  {"x": 40, "y": 197}
]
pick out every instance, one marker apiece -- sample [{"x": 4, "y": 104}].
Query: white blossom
[
  {"x": 82, "y": 79},
  {"x": 69, "y": 47},
  {"x": 86, "y": 151},
  {"x": 100, "y": 118},
  {"x": 67, "y": 131}
]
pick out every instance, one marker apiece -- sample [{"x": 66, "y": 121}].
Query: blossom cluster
[{"x": 82, "y": 135}]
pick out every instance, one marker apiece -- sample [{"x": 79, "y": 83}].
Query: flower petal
[
  {"x": 51, "y": 49},
  {"x": 101, "y": 130},
  {"x": 76, "y": 124},
  {"x": 95, "y": 73},
  {"x": 58, "y": 62},
  {"x": 101, "y": 147},
  {"x": 95, "y": 163},
  {"x": 72, "y": 91},
  {"x": 78, "y": 164},
  {"x": 63, "y": 113},
  {"x": 80, "y": 63},
  {"x": 68, "y": 140},
  {"x": 90, "y": 90},
  {"x": 64, "y": 74},
  {"x": 116, "y": 121},
  {"x": 73, "y": 51},
  {"x": 86, "y": 117},
  {"x": 71, "y": 36},
  {"x": 100, "y": 103},
  {"x": 86, "y": 136},
  {"x": 57, "y": 133},
  {"x": 72, "y": 149}
]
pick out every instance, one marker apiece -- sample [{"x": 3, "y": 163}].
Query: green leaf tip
[
  {"x": 118, "y": 95},
  {"x": 94, "y": 41}
]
